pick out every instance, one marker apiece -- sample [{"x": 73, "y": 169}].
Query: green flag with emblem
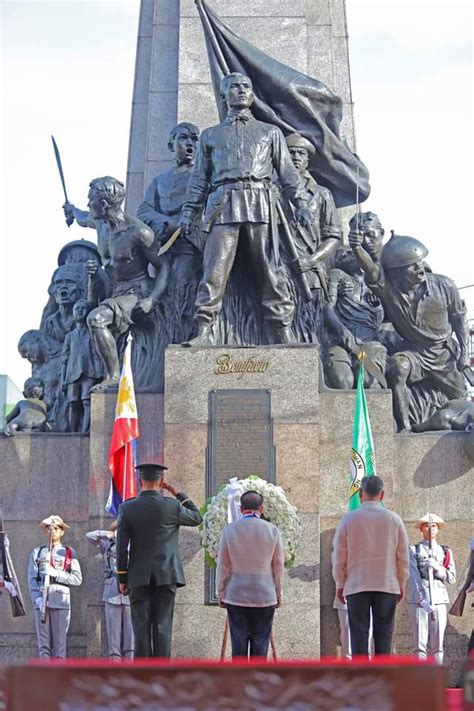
[{"x": 363, "y": 452}]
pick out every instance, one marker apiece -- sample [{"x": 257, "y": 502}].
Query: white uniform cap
[
  {"x": 430, "y": 517},
  {"x": 54, "y": 520}
]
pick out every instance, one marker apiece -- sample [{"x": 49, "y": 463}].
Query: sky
[{"x": 67, "y": 69}]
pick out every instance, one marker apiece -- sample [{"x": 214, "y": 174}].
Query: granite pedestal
[{"x": 68, "y": 474}]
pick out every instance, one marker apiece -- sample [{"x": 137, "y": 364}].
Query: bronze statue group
[
  {"x": 235, "y": 244},
  {"x": 238, "y": 244}
]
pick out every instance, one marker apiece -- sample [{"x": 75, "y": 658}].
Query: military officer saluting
[
  {"x": 118, "y": 621},
  {"x": 431, "y": 568},
  {"x": 53, "y": 568},
  {"x": 148, "y": 560}
]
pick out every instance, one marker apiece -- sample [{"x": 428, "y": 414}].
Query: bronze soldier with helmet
[{"x": 426, "y": 310}]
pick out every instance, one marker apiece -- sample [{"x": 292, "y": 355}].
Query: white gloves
[
  {"x": 10, "y": 587},
  {"x": 426, "y": 606},
  {"x": 438, "y": 568},
  {"x": 38, "y": 603},
  {"x": 51, "y": 571}
]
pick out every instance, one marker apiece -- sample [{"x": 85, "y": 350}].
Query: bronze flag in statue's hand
[{"x": 290, "y": 100}]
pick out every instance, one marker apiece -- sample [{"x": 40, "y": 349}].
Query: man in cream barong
[{"x": 249, "y": 577}]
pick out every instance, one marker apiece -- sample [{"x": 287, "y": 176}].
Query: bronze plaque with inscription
[
  {"x": 240, "y": 443},
  {"x": 240, "y": 436}
]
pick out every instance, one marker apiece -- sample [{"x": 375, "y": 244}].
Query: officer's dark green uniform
[{"x": 148, "y": 560}]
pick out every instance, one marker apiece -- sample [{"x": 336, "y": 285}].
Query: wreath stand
[{"x": 226, "y": 637}]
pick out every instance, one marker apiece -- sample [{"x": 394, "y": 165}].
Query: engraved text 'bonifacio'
[{"x": 225, "y": 365}]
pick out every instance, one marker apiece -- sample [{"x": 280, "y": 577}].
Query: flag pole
[
  {"x": 362, "y": 451},
  {"x": 210, "y": 33},
  {"x": 357, "y": 199},
  {"x": 125, "y": 454},
  {"x": 125, "y": 465},
  {"x": 224, "y": 638},
  {"x": 124, "y": 433}
]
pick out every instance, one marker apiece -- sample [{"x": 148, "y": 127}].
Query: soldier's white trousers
[
  {"x": 427, "y": 632},
  {"x": 52, "y": 633},
  {"x": 118, "y": 623},
  {"x": 345, "y": 635}
]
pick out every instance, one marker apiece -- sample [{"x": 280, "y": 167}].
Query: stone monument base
[{"x": 68, "y": 474}]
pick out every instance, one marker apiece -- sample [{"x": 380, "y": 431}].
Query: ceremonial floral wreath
[{"x": 221, "y": 509}]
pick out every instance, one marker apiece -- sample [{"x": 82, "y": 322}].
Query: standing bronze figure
[
  {"x": 316, "y": 245},
  {"x": 232, "y": 176},
  {"x": 161, "y": 211}
]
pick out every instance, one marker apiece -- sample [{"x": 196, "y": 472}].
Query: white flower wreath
[{"x": 277, "y": 510}]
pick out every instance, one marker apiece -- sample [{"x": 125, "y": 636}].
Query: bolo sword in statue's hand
[
  {"x": 167, "y": 245},
  {"x": 69, "y": 218},
  {"x": 170, "y": 242}
]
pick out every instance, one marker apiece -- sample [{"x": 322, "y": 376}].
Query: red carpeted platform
[
  {"x": 382, "y": 684},
  {"x": 454, "y": 700}
]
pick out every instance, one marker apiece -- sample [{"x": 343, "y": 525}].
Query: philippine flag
[{"x": 122, "y": 452}]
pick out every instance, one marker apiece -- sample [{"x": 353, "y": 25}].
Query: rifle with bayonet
[
  {"x": 7, "y": 572},
  {"x": 47, "y": 577},
  {"x": 457, "y": 608},
  {"x": 430, "y": 571},
  {"x": 318, "y": 267},
  {"x": 290, "y": 244}
]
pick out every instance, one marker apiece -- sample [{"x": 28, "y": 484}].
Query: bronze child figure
[
  {"x": 29, "y": 414},
  {"x": 81, "y": 369}
]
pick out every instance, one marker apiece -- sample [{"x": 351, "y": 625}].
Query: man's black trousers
[
  {"x": 152, "y": 609},
  {"x": 383, "y": 607},
  {"x": 250, "y": 630}
]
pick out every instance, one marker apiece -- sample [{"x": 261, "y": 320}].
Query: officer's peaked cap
[{"x": 151, "y": 471}]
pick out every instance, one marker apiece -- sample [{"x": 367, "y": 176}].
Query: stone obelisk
[{"x": 172, "y": 79}]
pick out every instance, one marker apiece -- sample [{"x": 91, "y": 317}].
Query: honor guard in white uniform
[
  {"x": 53, "y": 568},
  {"x": 344, "y": 631},
  {"x": 431, "y": 568},
  {"x": 118, "y": 621}
]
